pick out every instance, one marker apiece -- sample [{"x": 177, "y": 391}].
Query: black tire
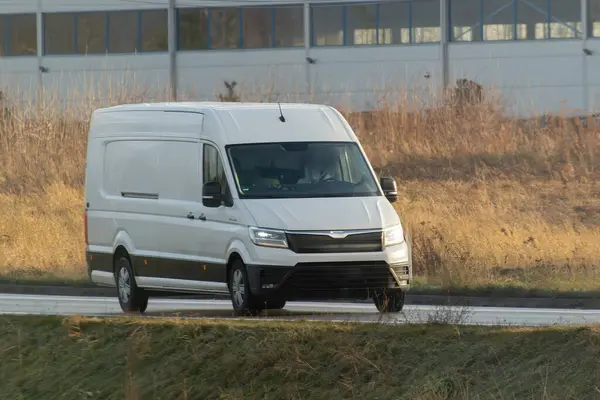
[
  {"x": 242, "y": 299},
  {"x": 135, "y": 299},
  {"x": 389, "y": 301}
]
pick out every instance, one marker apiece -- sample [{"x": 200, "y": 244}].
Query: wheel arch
[
  {"x": 120, "y": 251},
  {"x": 234, "y": 256},
  {"x": 236, "y": 251},
  {"x": 123, "y": 245}
]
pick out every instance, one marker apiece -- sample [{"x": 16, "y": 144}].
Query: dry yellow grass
[
  {"x": 42, "y": 234},
  {"x": 489, "y": 201}
]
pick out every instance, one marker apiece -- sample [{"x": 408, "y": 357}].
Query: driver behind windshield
[{"x": 321, "y": 165}]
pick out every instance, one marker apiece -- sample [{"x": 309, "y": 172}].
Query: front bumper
[{"x": 329, "y": 280}]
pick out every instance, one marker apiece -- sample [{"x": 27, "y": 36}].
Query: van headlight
[
  {"x": 393, "y": 236},
  {"x": 268, "y": 237}
]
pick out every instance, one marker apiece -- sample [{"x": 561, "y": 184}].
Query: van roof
[
  {"x": 203, "y": 106},
  {"x": 234, "y": 122}
]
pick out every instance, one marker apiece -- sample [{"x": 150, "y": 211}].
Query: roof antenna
[{"x": 281, "y": 117}]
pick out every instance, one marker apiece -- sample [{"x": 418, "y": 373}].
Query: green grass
[{"x": 80, "y": 358}]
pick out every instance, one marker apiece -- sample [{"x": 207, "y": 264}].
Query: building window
[
  {"x": 328, "y": 25},
  {"x": 549, "y": 19},
  {"x": 533, "y": 14},
  {"x": 3, "y": 36},
  {"x": 91, "y": 33},
  {"x": 565, "y": 20},
  {"x": 397, "y": 22},
  {"x": 498, "y": 20},
  {"x": 192, "y": 28},
  {"x": 361, "y": 24},
  {"x": 393, "y": 19},
  {"x": 22, "y": 34},
  {"x": 59, "y": 33},
  {"x": 504, "y": 31},
  {"x": 565, "y": 30},
  {"x": 465, "y": 18},
  {"x": 256, "y": 27},
  {"x": 594, "y": 17},
  {"x": 249, "y": 27},
  {"x": 224, "y": 28},
  {"x": 489, "y": 20},
  {"x": 289, "y": 27},
  {"x": 425, "y": 21},
  {"x": 101, "y": 32},
  {"x": 154, "y": 30},
  {"x": 123, "y": 31},
  {"x": 474, "y": 20}
]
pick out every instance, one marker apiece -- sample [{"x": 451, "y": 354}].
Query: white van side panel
[
  {"x": 166, "y": 169},
  {"x": 140, "y": 187},
  {"x": 151, "y": 186}
]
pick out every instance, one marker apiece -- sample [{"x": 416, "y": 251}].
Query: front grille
[
  {"x": 323, "y": 243},
  {"x": 335, "y": 276}
]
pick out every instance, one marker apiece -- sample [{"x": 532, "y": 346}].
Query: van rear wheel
[
  {"x": 131, "y": 298},
  {"x": 242, "y": 299}
]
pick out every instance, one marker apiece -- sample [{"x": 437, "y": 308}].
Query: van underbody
[{"x": 317, "y": 281}]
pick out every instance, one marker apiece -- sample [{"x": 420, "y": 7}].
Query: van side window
[{"x": 213, "y": 168}]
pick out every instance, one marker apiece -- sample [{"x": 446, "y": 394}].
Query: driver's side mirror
[
  {"x": 390, "y": 189},
  {"x": 211, "y": 194}
]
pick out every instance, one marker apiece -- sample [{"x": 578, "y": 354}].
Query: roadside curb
[
  {"x": 411, "y": 299},
  {"x": 504, "y": 302},
  {"x": 58, "y": 290}
]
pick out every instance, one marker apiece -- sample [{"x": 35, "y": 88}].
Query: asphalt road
[{"x": 107, "y": 306}]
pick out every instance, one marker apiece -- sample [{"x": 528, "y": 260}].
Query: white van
[{"x": 266, "y": 203}]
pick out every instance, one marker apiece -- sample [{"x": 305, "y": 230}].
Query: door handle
[{"x": 202, "y": 217}]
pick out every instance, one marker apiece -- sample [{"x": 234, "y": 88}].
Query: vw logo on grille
[{"x": 337, "y": 234}]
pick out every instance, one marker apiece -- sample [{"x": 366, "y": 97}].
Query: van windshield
[{"x": 301, "y": 170}]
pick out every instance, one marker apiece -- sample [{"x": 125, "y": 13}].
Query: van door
[
  {"x": 153, "y": 184},
  {"x": 181, "y": 236},
  {"x": 219, "y": 225}
]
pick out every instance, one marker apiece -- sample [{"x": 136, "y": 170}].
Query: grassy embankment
[
  {"x": 79, "y": 358},
  {"x": 491, "y": 203}
]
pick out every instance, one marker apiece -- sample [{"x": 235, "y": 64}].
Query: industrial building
[{"x": 540, "y": 55}]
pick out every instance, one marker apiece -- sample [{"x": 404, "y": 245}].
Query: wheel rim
[
  {"x": 124, "y": 285},
  {"x": 238, "y": 288}
]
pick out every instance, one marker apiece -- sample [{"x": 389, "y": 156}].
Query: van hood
[{"x": 317, "y": 214}]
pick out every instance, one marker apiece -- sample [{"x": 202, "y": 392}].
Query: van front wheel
[
  {"x": 389, "y": 301},
  {"x": 242, "y": 299},
  {"x": 131, "y": 297}
]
